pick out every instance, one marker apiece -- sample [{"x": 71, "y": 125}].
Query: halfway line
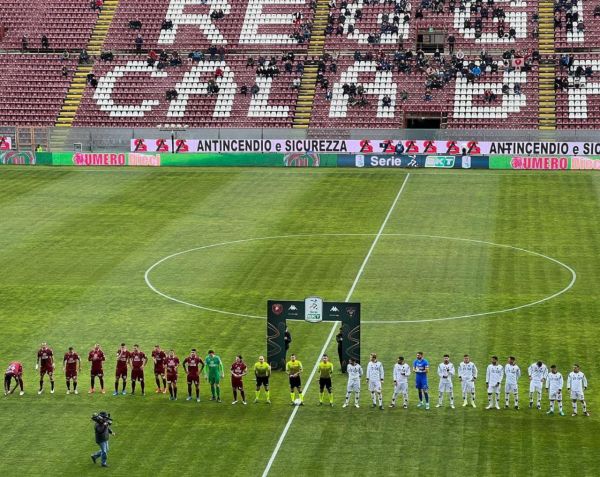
[{"x": 312, "y": 374}]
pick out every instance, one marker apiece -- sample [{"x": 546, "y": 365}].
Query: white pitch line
[{"x": 316, "y": 366}]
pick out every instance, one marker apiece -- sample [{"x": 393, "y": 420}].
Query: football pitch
[{"x": 453, "y": 262}]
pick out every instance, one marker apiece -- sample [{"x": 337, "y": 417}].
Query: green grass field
[{"x": 77, "y": 243}]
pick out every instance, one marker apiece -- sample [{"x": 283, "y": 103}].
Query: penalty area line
[{"x": 332, "y": 331}]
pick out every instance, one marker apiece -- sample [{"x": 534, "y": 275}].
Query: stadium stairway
[
  {"x": 78, "y": 84},
  {"x": 308, "y": 84},
  {"x": 547, "y": 98}
]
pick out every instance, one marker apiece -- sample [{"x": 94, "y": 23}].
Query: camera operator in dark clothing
[{"x": 102, "y": 430}]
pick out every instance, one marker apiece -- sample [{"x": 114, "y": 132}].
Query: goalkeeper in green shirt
[
  {"x": 214, "y": 372},
  {"x": 325, "y": 372}
]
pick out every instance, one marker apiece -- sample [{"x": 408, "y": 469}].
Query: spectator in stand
[
  {"x": 24, "y": 43},
  {"x": 166, "y": 25},
  {"x": 328, "y": 95},
  {"x": 84, "y": 58},
  {"x": 218, "y": 72},
  {"x": 451, "y": 41},
  {"x": 244, "y": 89},
  {"x": 175, "y": 59},
  {"x": 512, "y": 33},
  {"x": 139, "y": 41},
  {"x": 403, "y": 95},
  {"x": 597, "y": 11},
  {"x": 428, "y": 96},
  {"x": 517, "y": 88},
  {"x": 212, "y": 51},
  {"x": 65, "y": 71},
  {"x": 97, "y": 5},
  {"x": 254, "y": 90},
  {"x": 135, "y": 25},
  {"x": 386, "y": 101},
  {"x": 300, "y": 67},
  {"x": 197, "y": 56},
  {"x": 89, "y": 77},
  {"x": 45, "y": 42},
  {"x": 65, "y": 56},
  {"x": 296, "y": 83},
  {"x": 221, "y": 53},
  {"x": 250, "y": 62}
]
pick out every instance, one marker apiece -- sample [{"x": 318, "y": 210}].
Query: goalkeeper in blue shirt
[{"x": 421, "y": 368}]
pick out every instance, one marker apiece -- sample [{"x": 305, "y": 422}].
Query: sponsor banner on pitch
[
  {"x": 20, "y": 158},
  {"x": 194, "y": 160},
  {"x": 542, "y": 163},
  {"x": 413, "y": 161}
]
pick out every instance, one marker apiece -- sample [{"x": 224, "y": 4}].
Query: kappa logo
[
  {"x": 277, "y": 308},
  {"x": 334, "y": 309},
  {"x": 292, "y": 308}
]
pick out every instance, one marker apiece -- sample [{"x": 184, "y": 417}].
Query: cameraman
[{"x": 102, "y": 430}]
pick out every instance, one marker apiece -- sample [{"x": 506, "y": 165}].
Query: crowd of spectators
[
  {"x": 578, "y": 74},
  {"x": 570, "y": 10}
]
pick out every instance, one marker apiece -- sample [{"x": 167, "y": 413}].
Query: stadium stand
[{"x": 466, "y": 59}]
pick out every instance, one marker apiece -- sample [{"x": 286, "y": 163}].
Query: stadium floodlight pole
[{"x": 333, "y": 328}]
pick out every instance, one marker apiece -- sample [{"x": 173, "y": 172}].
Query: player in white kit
[
  {"x": 577, "y": 384},
  {"x": 554, "y": 385},
  {"x": 511, "y": 384},
  {"x": 375, "y": 380},
  {"x": 401, "y": 374},
  {"x": 493, "y": 380},
  {"x": 467, "y": 374},
  {"x": 538, "y": 372},
  {"x": 355, "y": 372},
  {"x": 446, "y": 373}
]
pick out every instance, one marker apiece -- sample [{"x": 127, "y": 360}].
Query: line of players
[
  {"x": 539, "y": 377},
  {"x": 166, "y": 371}
]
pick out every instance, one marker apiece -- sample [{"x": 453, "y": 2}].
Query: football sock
[
  {"x": 190, "y": 389},
  {"x": 41, "y": 384},
  {"x": 539, "y": 400},
  {"x": 583, "y": 403},
  {"x": 394, "y": 396},
  {"x": 164, "y": 383},
  {"x": 489, "y": 399},
  {"x": 301, "y": 397},
  {"x": 405, "y": 400},
  {"x": 157, "y": 383},
  {"x": 498, "y": 398},
  {"x": 331, "y": 398},
  {"x": 452, "y": 398},
  {"x": 212, "y": 390},
  {"x": 292, "y": 396},
  {"x": 420, "y": 395},
  {"x": 68, "y": 385},
  {"x": 268, "y": 395},
  {"x": 551, "y": 406},
  {"x": 472, "y": 397},
  {"x": 243, "y": 395},
  {"x": 380, "y": 399},
  {"x": 123, "y": 387},
  {"x": 516, "y": 400},
  {"x": 197, "y": 392},
  {"x": 101, "y": 382},
  {"x": 219, "y": 392},
  {"x": 75, "y": 385},
  {"x": 356, "y": 398},
  {"x": 175, "y": 391},
  {"x": 142, "y": 385},
  {"x": 373, "y": 398},
  {"x": 531, "y": 398},
  {"x": 560, "y": 406},
  {"x": 575, "y": 407},
  {"x": 256, "y": 394},
  {"x": 426, "y": 397},
  {"x": 116, "y": 386},
  {"x": 506, "y": 399},
  {"x": 52, "y": 384},
  {"x": 92, "y": 381},
  {"x": 170, "y": 390},
  {"x": 347, "y": 398},
  {"x": 132, "y": 386},
  {"x": 234, "y": 394},
  {"x": 440, "y": 399},
  {"x": 321, "y": 396}
]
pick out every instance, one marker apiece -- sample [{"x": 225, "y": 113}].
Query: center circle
[{"x": 456, "y": 279}]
